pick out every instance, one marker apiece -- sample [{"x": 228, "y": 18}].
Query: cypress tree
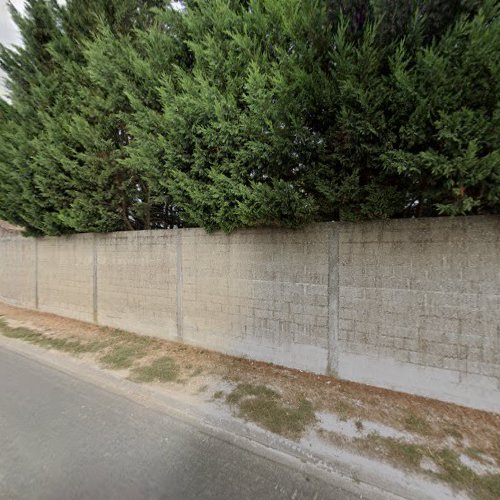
[
  {"x": 30, "y": 81},
  {"x": 239, "y": 138},
  {"x": 138, "y": 67},
  {"x": 69, "y": 159},
  {"x": 288, "y": 116},
  {"x": 446, "y": 152},
  {"x": 87, "y": 133},
  {"x": 225, "y": 114}
]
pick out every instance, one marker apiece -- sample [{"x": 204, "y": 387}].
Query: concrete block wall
[
  {"x": 260, "y": 293},
  {"x": 65, "y": 276},
  {"x": 419, "y": 307},
  {"x": 411, "y": 305},
  {"x": 136, "y": 282},
  {"x": 18, "y": 271}
]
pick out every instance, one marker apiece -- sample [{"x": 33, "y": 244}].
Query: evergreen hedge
[{"x": 129, "y": 114}]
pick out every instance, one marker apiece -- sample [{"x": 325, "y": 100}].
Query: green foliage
[
  {"x": 266, "y": 407},
  {"x": 162, "y": 369},
  {"x": 66, "y": 129},
  {"x": 448, "y": 149},
  {"x": 226, "y": 114}
]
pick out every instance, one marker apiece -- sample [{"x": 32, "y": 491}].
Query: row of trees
[{"x": 133, "y": 114}]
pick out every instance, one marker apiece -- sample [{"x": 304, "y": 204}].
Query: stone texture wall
[
  {"x": 261, "y": 293},
  {"x": 411, "y": 305},
  {"x": 65, "y": 276},
  {"x": 419, "y": 307},
  {"x": 136, "y": 282},
  {"x": 18, "y": 270}
]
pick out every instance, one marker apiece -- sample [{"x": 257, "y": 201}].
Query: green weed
[
  {"x": 265, "y": 407},
  {"x": 163, "y": 369}
]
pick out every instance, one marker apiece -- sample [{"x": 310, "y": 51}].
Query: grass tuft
[
  {"x": 451, "y": 469},
  {"x": 122, "y": 356},
  {"x": 488, "y": 487},
  {"x": 417, "y": 425},
  {"x": 163, "y": 369},
  {"x": 398, "y": 451},
  {"x": 264, "y": 406},
  {"x": 245, "y": 390},
  {"x": 67, "y": 345}
]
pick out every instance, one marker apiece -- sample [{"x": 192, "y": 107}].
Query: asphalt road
[{"x": 63, "y": 438}]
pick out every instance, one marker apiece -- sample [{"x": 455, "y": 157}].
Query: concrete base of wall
[
  {"x": 471, "y": 390},
  {"x": 298, "y": 356}
]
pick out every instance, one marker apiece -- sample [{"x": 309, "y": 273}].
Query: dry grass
[
  {"x": 417, "y": 425},
  {"x": 349, "y": 400},
  {"x": 398, "y": 451}
]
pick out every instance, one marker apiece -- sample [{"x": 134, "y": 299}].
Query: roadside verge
[{"x": 340, "y": 431}]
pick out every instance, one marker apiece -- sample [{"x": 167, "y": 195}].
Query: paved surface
[{"x": 63, "y": 438}]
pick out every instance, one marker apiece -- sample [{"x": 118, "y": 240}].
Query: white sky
[
  {"x": 8, "y": 31},
  {"x": 9, "y": 34}
]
